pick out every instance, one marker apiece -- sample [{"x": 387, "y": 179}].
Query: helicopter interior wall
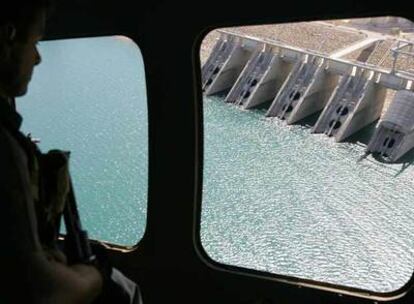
[{"x": 169, "y": 262}]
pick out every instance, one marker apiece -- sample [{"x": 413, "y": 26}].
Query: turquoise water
[
  {"x": 276, "y": 198},
  {"x": 88, "y": 96},
  {"x": 279, "y": 199}
]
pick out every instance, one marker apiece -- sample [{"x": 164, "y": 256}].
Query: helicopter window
[
  {"x": 88, "y": 96},
  {"x": 296, "y": 187}
]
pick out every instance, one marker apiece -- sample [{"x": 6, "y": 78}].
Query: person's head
[{"x": 21, "y": 27}]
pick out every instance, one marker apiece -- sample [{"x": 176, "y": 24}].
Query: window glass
[
  {"x": 308, "y": 137},
  {"x": 88, "y": 96}
]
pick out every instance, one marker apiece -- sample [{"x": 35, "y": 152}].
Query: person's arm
[
  {"x": 59, "y": 283},
  {"x": 23, "y": 262}
]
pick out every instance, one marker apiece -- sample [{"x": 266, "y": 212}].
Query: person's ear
[
  {"x": 10, "y": 32},
  {"x": 7, "y": 33},
  {"x": 7, "y": 37}
]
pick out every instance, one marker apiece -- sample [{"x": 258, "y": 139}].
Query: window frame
[{"x": 337, "y": 289}]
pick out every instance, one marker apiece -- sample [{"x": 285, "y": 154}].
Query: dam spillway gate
[{"x": 297, "y": 82}]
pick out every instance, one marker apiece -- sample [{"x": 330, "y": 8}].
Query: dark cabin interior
[{"x": 169, "y": 263}]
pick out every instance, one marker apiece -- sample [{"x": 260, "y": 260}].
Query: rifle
[
  {"x": 77, "y": 247},
  {"x": 78, "y": 250}
]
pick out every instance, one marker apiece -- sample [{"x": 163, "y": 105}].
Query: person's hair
[{"x": 21, "y": 13}]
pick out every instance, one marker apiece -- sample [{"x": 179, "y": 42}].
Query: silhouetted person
[{"x": 31, "y": 272}]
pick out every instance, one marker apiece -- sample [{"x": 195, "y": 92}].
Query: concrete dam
[{"x": 298, "y": 82}]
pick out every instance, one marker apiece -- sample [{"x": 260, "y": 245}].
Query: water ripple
[{"x": 279, "y": 199}]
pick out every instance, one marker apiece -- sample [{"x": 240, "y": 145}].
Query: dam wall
[{"x": 297, "y": 83}]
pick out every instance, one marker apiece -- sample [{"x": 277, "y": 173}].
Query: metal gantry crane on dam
[{"x": 348, "y": 94}]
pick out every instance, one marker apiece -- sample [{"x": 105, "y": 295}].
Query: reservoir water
[
  {"x": 88, "y": 96},
  {"x": 279, "y": 199}
]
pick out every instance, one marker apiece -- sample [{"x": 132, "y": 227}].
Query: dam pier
[{"x": 348, "y": 90}]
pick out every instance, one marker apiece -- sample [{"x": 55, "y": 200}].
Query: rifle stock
[{"x": 77, "y": 247}]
